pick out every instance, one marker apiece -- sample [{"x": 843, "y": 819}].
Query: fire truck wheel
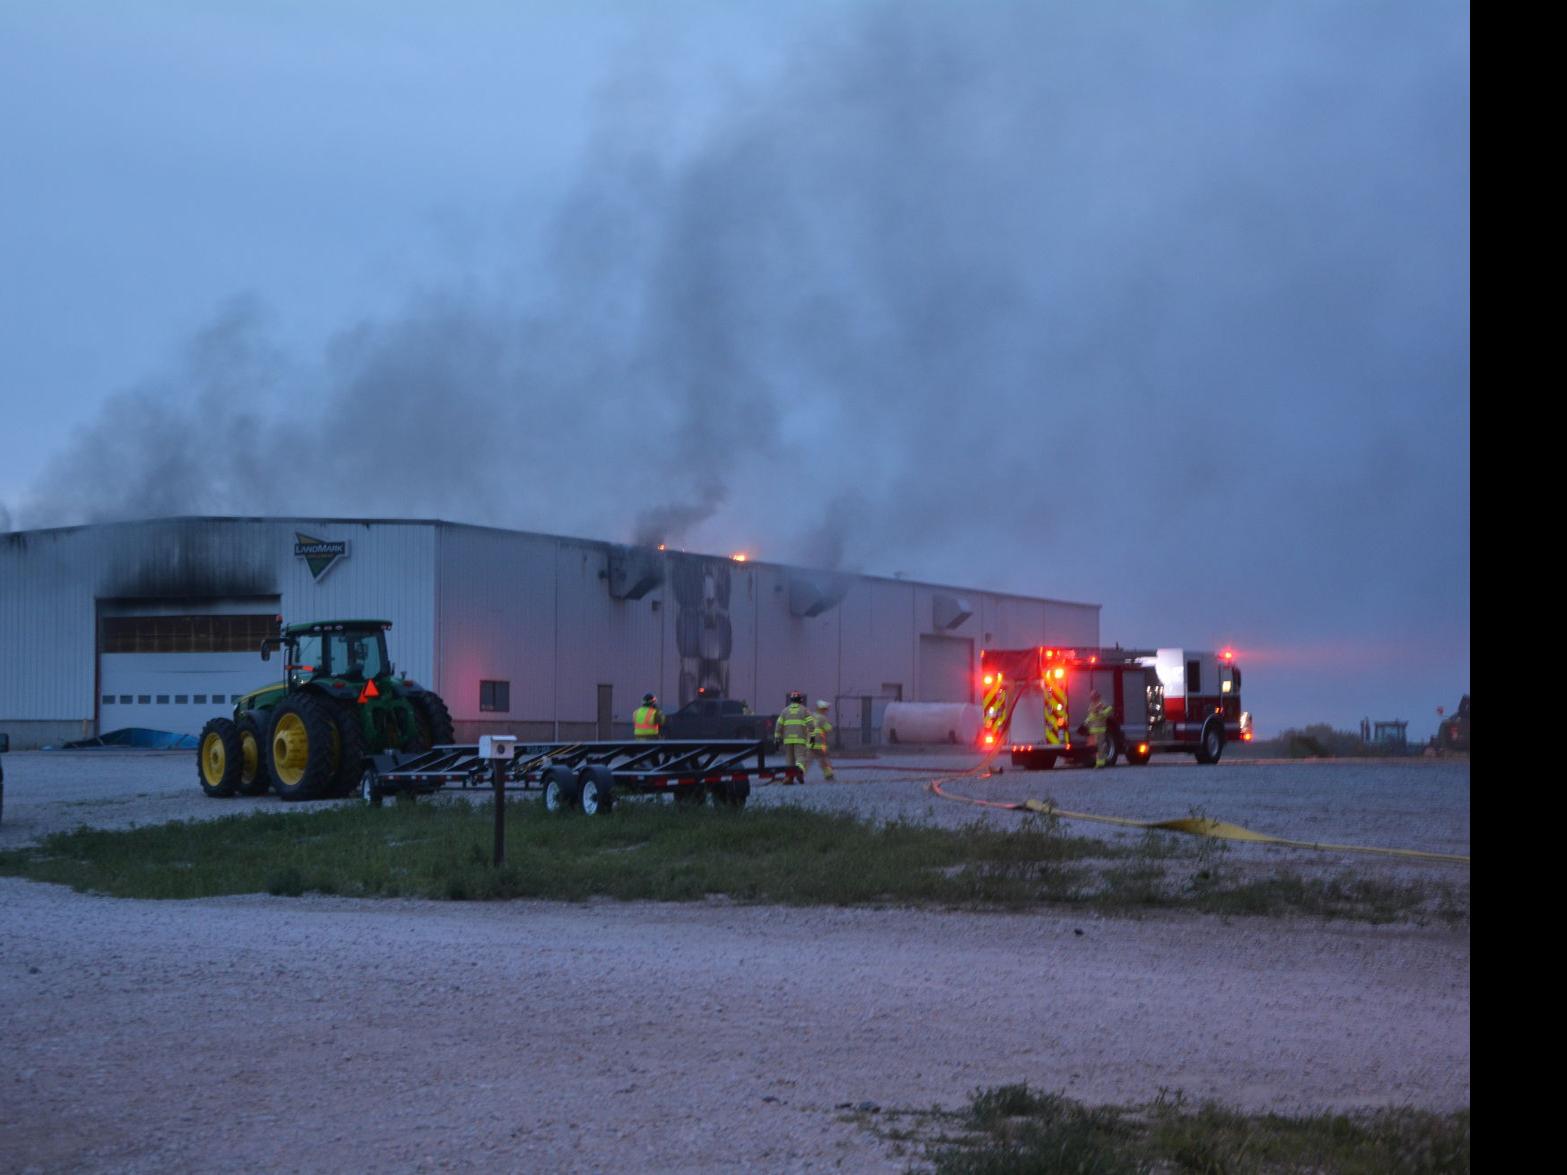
[
  {"x": 1212, "y": 745},
  {"x": 1113, "y": 742},
  {"x": 218, "y": 758},
  {"x": 596, "y": 789},
  {"x": 1138, "y": 758},
  {"x": 560, "y": 789}
]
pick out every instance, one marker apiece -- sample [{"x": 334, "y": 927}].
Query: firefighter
[
  {"x": 1100, "y": 716},
  {"x": 647, "y": 720},
  {"x": 793, "y": 733},
  {"x": 820, "y": 730}
]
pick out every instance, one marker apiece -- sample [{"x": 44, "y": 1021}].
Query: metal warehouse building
[{"x": 158, "y": 623}]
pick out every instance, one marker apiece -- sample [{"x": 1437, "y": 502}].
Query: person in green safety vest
[
  {"x": 647, "y": 720},
  {"x": 792, "y": 732},
  {"x": 1099, "y": 718},
  {"x": 821, "y": 729}
]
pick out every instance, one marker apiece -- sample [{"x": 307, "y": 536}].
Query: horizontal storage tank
[{"x": 932, "y": 722}]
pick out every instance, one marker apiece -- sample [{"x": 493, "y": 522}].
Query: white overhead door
[
  {"x": 173, "y": 672},
  {"x": 946, "y": 669}
]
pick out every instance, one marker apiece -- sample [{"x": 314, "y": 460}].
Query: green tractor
[{"x": 306, "y": 737}]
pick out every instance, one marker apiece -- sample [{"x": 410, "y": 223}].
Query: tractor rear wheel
[
  {"x": 432, "y": 722},
  {"x": 304, "y": 748},
  {"x": 351, "y": 750},
  {"x": 219, "y": 758},
  {"x": 254, "y": 779}
]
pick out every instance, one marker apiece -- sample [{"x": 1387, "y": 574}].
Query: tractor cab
[{"x": 346, "y": 650}]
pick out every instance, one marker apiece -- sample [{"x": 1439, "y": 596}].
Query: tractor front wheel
[
  {"x": 304, "y": 748},
  {"x": 219, "y": 758},
  {"x": 254, "y": 779}
]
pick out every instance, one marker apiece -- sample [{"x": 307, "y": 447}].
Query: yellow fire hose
[{"x": 1193, "y": 825}]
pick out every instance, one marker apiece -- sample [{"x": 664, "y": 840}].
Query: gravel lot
[{"x": 316, "y": 1034}]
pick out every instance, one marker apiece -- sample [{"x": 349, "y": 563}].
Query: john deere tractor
[{"x": 306, "y": 737}]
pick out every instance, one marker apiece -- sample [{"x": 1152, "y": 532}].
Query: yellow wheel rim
[
  {"x": 290, "y": 748},
  {"x": 214, "y": 760},
  {"x": 249, "y": 758}
]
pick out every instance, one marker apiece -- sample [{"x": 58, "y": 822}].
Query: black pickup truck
[{"x": 710, "y": 717}]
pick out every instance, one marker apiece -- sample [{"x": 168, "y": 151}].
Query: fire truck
[{"x": 1036, "y": 702}]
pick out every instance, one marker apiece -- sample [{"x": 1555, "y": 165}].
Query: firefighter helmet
[
  {"x": 796, "y": 698},
  {"x": 822, "y": 704},
  {"x": 648, "y": 699}
]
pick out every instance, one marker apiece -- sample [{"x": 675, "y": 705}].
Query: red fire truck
[{"x": 1036, "y": 699}]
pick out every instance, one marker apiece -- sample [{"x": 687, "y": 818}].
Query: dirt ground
[{"x": 329, "y": 1034}]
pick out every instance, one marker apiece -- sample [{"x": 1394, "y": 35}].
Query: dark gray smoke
[{"x": 1164, "y": 306}]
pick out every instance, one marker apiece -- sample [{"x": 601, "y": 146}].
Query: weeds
[
  {"x": 1013, "y": 1128},
  {"x": 653, "y": 852}
]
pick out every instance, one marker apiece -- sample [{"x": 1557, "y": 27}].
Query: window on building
[
  {"x": 125, "y": 699},
  {"x": 163, "y": 699},
  {"x": 186, "y": 634},
  {"x": 199, "y": 699},
  {"x": 495, "y": 696},
  {"x": 181, "y": 699},
  {"x": 144, "y": 699},
  {"x": 108, "y": 699}
]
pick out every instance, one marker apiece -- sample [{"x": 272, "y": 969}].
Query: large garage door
[
  {"x": 174, "y": 671},
  {"x": 946, "y": 669}
]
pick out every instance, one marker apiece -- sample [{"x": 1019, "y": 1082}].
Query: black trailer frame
[{"x": 586, "y": 773}]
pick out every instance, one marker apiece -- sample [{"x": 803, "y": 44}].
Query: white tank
[{"x": 931, "y": 722}]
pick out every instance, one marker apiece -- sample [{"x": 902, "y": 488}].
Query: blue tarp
[{"x": 132, "y": 736}]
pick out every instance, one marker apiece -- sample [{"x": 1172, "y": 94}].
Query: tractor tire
[
  {"x": 560, "y": 789},
  {"x": 351, "y": 750},
  {"x": 432, "y": 721},
  {"x": 1212, "y": 745},
  {"x": 303, "y": 748},
  {"x": 254, "y": 779},
  {"x": 596, "y": 790},
  {"x": 219, "y": 758}
]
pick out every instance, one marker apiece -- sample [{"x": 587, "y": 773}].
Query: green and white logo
[{"x": 320, "y": 555}]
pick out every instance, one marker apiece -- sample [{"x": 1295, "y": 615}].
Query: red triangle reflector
[{"x": 369, "y": 692}]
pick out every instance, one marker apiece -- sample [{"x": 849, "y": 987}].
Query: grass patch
[
  {"x": 657, "y": 852},
  {"x": 1013, "y": 1128}
]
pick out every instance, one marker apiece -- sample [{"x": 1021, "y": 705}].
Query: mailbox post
[{"x": 498, "y": 749}]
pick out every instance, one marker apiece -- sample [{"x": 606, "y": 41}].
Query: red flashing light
[
  {"x": 1245, "y": 736},
  {"x": 1142, "y": 748},
  {"x": 1228, "y": 654},
  {"x": 990, "y": 740},
  {"x": 988, "y": 679},
  {"x": 1060, "y": 672},
  {"x": 1050, "y": 654},
  {"x": 1094, "y": 660}
]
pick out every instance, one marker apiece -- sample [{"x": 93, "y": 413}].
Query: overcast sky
[{"x": 1163, "y": 306}]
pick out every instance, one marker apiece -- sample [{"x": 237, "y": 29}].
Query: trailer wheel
[
  {"x": 716, "y": 795},
  {"x": 254, "y": 779},
  {"x": 1212, "y": 745},
  {"x": 596, "y": 790},
  {"x": 303, "y": 748},
  {"x": 219, "y": 758},
  {"x": 689, "y": 797},
  {"x": 560, "y": 789},
  {"x": 739, "y": 792}
]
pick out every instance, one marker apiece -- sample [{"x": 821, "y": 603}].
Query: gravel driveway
[{"x": 329, "y": 1034}]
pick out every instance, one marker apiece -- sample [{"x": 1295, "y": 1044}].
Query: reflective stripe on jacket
[
  {"x": 820, "y": 729},
  {"x": 647, "y": 721},
  {"x": 794, "y": 726},
  {"x": 1099, "y": 718}
]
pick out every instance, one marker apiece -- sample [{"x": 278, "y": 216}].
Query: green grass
[
  {"x": 1016, "y": 1129},
  {"x": 655, "y": 852}
]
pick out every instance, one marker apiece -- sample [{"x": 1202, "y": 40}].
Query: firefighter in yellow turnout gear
[
  {"x": 793, "y": 734},
  {"x": 647, "y": 720},
  {"x": 820, "y": 730},
  {"x": 1099, "y": 718}
]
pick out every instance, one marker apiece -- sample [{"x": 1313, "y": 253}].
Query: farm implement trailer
[{"x": 585, "y": 775}]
